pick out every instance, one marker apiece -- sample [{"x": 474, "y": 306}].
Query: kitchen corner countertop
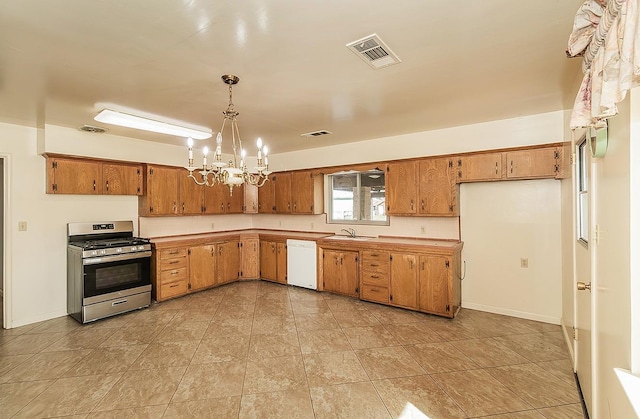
[
  {"x": 323, "y": 240},
  {"x": 204, "y": 238}
]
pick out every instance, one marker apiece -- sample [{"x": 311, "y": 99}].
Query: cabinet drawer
[
  {"x": 172, "y": 275},
  {"x": 375, "y": 278},
  {"x": 175, "y": 263},
  {"x": 173, "y": 253},
  {"x": 376, "y": 257},
  {"x": 173, "y": 289},
  {"x": 374, "y": 293}
]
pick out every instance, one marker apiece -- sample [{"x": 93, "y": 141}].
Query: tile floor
[{"x": 256, "y": 349}]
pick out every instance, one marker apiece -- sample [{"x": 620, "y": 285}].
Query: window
[
  {"x": 357, "y": 198},
  {"x": 583, "y": 191}
]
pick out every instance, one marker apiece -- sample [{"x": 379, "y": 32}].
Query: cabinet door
[
  {"x": 268, "y": 266},
  {"x": 281, "y": 261},
  {"x": 349, "y": 278},
  {"x": 70, "y": 176},
  {"x": 404, "y": 280},
  {"x": 401, "y": 188},
  {"x": 191, "y": 195},
  {"x": 435, "y": 293},
  {"x": 267, "y": 196},
  {"x": 235, "y": 199},
  {"x": 122, "y": 179},
  {"x": 535, "y": 163},
  {"x": 302, "y": 192},
  {"x": 250, "y": 199},
  {"x": 437, "y": 187},
  {"x": 250, "y": 258},
  {"x": 227, "y": 262},
  {"x": 479, "y": 167},
  {"x": 214, "y": 199},
  {"x": 162, "y": 190},
  {"x": 283, "y": 193},
  {"x": 202, "y": 267},
  {"x": 331, "y": 270}
]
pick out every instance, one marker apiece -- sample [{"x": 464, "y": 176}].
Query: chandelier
[{"x": 231, "y": 174}]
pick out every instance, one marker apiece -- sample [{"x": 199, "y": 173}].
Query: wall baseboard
[
  {"x": 36, "y": 319},
  {"x": 513, "y": 313},
  {"x": 568, "y": 340}
]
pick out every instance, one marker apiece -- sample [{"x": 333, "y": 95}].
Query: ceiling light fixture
[
  {"x": 231, "y": 174},
  {"x": 122, "y": 119}
]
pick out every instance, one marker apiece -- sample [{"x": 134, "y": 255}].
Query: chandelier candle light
[{"x": 231, "y": 173}]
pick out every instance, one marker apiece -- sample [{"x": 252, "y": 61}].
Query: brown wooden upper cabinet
[
  {"x": 534, "y": 163},
  {"x": 283, "y": 192},
  {"x": 89, "y": 177},
  {"x": 402, "y": 188},
  {"x": 437, "y": 186},
  {"x": 219, "y": 200},
  {"x": 299, "y": 192},
  {"x": 422, "y": 187},
  {"x": 479, "y": 167},
  {"x": 250, "y": 199},
  {"x": 191, "y": 195},
  {"x": 162, "y": 191},
  {"x": 267, "y": 196},
  {"x": 307, "y": 191}
]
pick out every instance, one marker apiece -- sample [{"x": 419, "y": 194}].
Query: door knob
[{"x": 582, "y": 286}]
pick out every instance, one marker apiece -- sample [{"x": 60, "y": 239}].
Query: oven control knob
[
  {"x": 103, "y": 252},
  {"x": 140, "y": 247},
  {"x": 119, "y": 250},
  {"x": 94, "y": 253}
]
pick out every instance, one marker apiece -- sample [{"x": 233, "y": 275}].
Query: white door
[{"x": 583, "y": 251}]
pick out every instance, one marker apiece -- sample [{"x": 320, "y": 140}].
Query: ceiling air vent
[
  {"x": 316, "y": 133},
  {"x": 372, "y": 50},
  {"x": 91, "y": 128}
]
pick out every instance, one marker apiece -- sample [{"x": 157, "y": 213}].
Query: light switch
[
  {"x": 524, "y": 262},
  {"x": 22, "y": 226}
]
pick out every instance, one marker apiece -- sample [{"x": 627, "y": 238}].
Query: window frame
[
  {"x": 582, "y": 191},
  {"x": 358, "y": 221}
]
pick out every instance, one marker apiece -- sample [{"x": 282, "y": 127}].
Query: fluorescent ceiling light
[{"x": 108, "y": 116}]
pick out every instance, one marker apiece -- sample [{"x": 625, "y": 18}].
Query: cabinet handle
[
  {"x": 222, "y": 207},
  {"x": 422, "y": 204},
  {"x": 175, "y": 206},
  {"x": 423, "y": 266},
  {"x": 229, "y": 206},
  {"x": 94, "y": 184},
  {"x": 183, "y": 207},
  {"x": 107, "y": 186},
  {"x": 173, "y": 262},
  {"x": 174, "y": 272},
  {"x": 374, "y": 290},
  {"x": 173, "y": 252},
  {"x": 295, "y": 206},
  {"x": 375, "y": 276},
  {"x": 374, "y": 255},
  {"x": 173, "y": 285},
  {"x": 511, "y": 166},
  {"x": 374, "y": 265},
  {"x": 496, "y": 168},
  {"x": 412, "y": 204},
  {"x": 411, "y": 264}
]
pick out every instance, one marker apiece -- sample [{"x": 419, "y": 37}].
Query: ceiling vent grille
[
  {"x": 91, "y": 128},
  {"x": 316, "y": 133},
  {"x": 372, "y": 50}
]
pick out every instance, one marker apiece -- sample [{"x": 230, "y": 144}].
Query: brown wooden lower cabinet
[
  {"x": 273, "y": 261},
  {"x": 423, "y": 280},
  {"x": 250, "y": 257},
  {"x": 202, "y": 266},
  {"x": 340, "y": 272}
]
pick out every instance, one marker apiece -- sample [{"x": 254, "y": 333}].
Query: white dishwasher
[{"x": 301, "y": 263}]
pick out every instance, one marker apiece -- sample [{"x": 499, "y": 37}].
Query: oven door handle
[{"x": 116, "y": 258}]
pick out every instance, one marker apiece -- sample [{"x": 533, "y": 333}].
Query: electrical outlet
[
  {"x": 213, "y": 226},
  {"x": 312, "y": 225},
  {"x": 22, "y": 226},
  {"x": 279, "y": 223},
  {"x": 524, "y": 262},
  {"x": 423, "y": 230}
]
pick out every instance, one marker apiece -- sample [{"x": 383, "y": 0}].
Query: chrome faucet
[{"x": 350, "y": 232}]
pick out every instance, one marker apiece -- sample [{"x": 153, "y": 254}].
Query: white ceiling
[{"x": 463, "y": 61}]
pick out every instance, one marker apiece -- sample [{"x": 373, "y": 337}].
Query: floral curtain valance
[{"x": 608, "y": 36}]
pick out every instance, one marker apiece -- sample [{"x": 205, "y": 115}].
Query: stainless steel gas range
[{"x": 108, "y": 270}]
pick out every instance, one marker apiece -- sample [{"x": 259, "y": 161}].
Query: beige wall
[
  {"x": 612, "y": 257},
  {"x": 38, "y": 291},
  {"x": 501, "y": 223}
]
